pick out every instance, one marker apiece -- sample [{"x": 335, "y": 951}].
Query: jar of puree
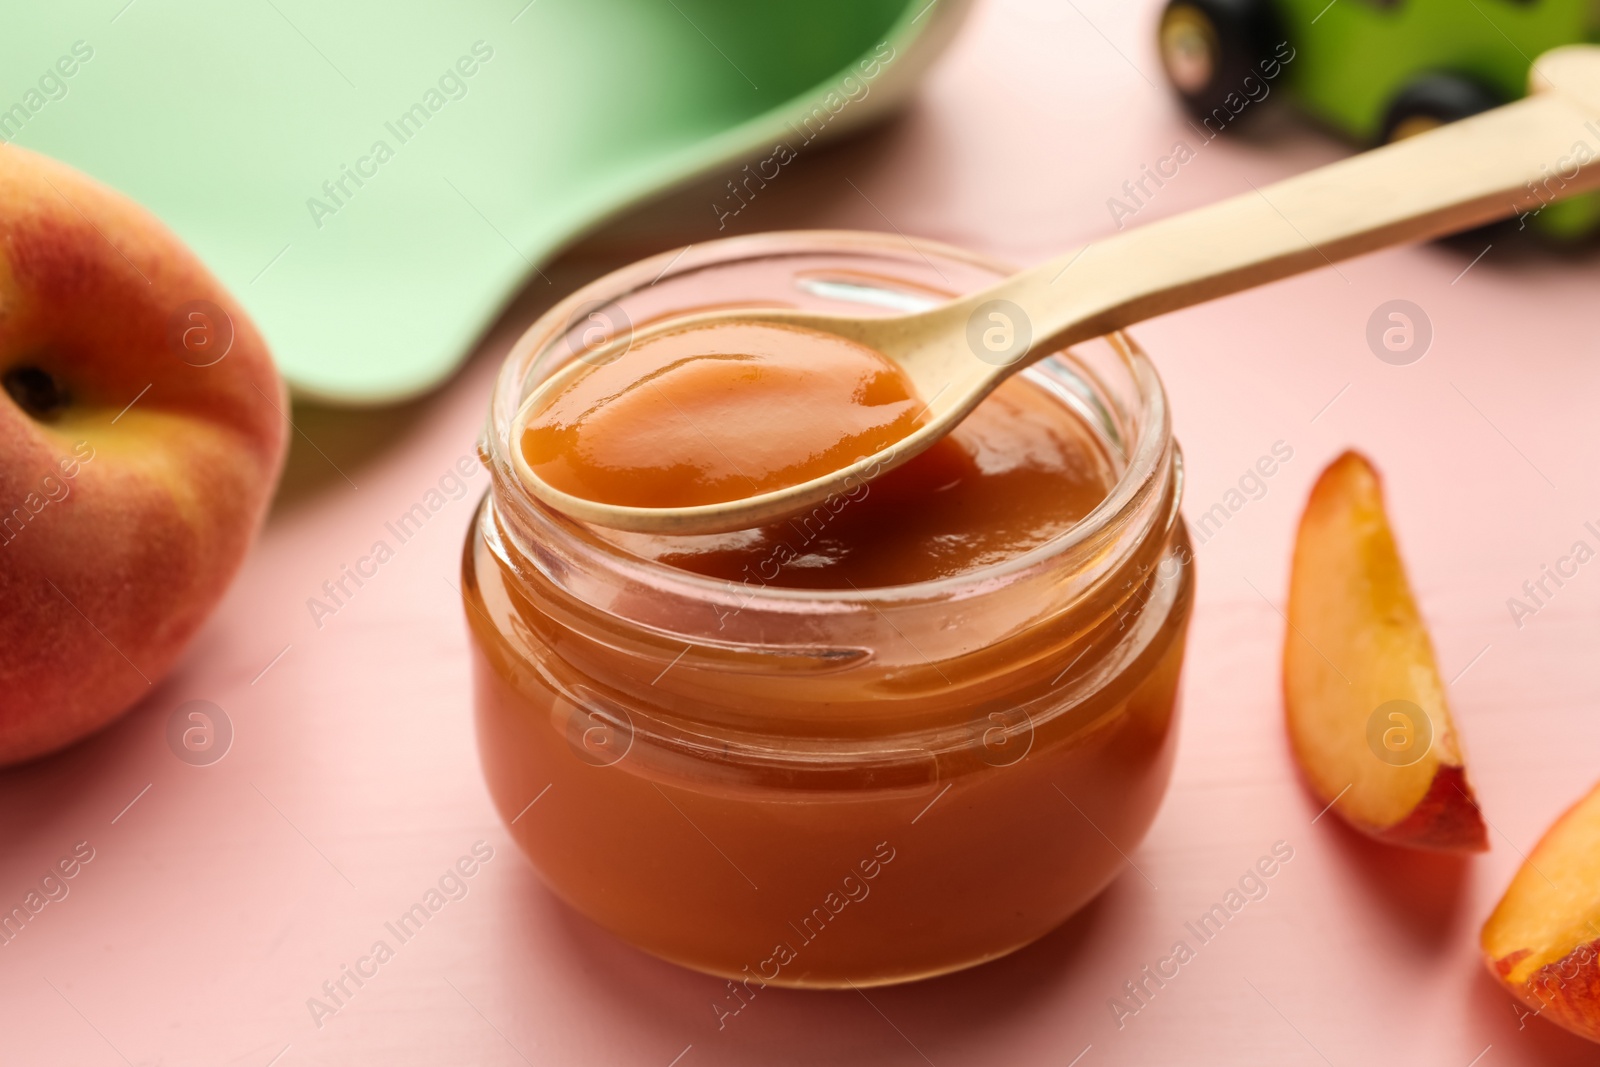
[{"x": 908, "y": 731}]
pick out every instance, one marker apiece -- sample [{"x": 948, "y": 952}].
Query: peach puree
[
  {"x": 718, "y": 781},
  {"x": 714, "y": 413}
]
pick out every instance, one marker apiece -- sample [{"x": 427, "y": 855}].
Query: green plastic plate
[{"x": 374, "y": 181}]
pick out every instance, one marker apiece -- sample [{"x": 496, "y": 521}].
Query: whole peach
[{"x": 141, "y": 435}]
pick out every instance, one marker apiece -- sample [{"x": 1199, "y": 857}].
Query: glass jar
[{"x": 822, "y": 788}]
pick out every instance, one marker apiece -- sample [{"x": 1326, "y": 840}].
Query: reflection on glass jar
[{"x": 814, "y": 786}]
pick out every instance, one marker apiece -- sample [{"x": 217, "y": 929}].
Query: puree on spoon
[{"x": 708, "y": 414}]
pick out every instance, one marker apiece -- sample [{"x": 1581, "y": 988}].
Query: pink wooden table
[{"x": 220, "y": 898}]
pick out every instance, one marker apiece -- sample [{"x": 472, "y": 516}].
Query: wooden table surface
[{"x": 219, "y": 898}]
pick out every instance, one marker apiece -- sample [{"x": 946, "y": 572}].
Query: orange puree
[
  {"x": 1017, "y": 472},
  {"x": 714, "y": 413},
  {"x": 865, "y": 751}
]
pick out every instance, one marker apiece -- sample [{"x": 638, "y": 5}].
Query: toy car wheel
[
  {"x": 1209, "y": 47},
  {"x": 1433, "y": 100}
]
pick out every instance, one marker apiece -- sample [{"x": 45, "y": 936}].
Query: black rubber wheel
[
  {"x": 1433, "y": 100},
  {"x": 1209, "y": 47}
]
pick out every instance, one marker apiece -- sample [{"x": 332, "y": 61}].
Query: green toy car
[{"x": 1374, "y": 70}]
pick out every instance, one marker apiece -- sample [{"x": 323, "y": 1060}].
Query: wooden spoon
[{"x": 1457, "y": 176}]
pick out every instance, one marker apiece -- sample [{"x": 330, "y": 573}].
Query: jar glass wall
[{"x": 823, "y": 787}]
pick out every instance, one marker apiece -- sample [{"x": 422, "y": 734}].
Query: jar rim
[{"x": 1143, "y": 462}]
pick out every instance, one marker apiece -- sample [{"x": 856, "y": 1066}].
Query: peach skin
[
  {"x": 141, "y": 435},
  {"x": 1363, "y": 701},
  {"x": 1543, "y": 940}
]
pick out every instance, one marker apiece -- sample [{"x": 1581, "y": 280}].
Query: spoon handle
[{"x": 1502, "y": 162}]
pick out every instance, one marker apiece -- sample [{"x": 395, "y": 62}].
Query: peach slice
[
  {"x": 1543, "y": 940},
  {"x": 1364, "y": 704}
]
